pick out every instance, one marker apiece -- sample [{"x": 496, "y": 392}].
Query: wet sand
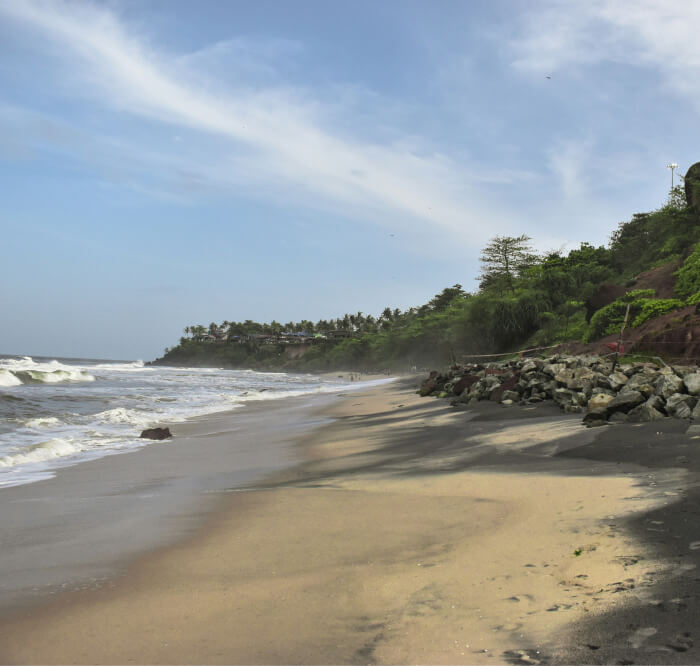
[{"x": 412, "y": 533}]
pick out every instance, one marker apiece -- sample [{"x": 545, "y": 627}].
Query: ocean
[{"x": 61, "y": 411}]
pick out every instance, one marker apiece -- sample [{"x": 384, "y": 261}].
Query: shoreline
[
  {"x": 98, "y": 515},
  {"x": 409, "y": 532}
]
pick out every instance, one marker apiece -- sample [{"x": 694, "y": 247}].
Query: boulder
[
  {"x": 156, "y": 433},
  {"x": 513, "y": 396},
  {"x": 691, "y": 183},
  {"x": 464, "y": 382},
  {"x": 553, "y": 369},
  {"x": 658, "y": 403},
  {"x": 645, "y": 412},
  {"x": 668, "y": 384},
  {"x": 600, "y": 402},
  {"x": 617, "y": 380},
  {"x": 593, "y": 419},
  {"x": 430, "y": 384},
  {"x": 681, "y": 405},
  {"x": 692, "y": 383},
  {"x": 528, "y": 366},
  {"x": 642, "y": 379},
  {"x": 563, "y": 396},
  {"x": 564, "y": 377},
  {"x": 623, "y": 402},
  {"x": 618, "y": 417}
]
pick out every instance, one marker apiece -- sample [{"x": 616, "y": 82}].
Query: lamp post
[{"x": 673, "y": 166}]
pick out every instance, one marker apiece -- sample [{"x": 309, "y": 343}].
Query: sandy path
[{"x": 363, "y": 556}]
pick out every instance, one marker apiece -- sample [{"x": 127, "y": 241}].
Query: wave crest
[{"x": 14, "y": 372}]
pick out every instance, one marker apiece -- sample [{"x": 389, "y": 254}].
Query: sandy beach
[{"x": 412, "y": 532}]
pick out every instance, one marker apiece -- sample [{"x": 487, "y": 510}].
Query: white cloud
[
  {"x": 274, "y": 136},
  {"x": 661, "y": 36}
]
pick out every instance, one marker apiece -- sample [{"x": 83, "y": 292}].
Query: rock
[
  {"x": 647, "y": 390},
  {"x": 623, "y": 402},
  {"x": 563, "y": 396},
  {"x": 464, "y": 382},
  {"x": 593, "y": 419},
  {"x": 507, "y": 402},
  {"x": 514, "y": 396},
  {"x": 528, "y": 366},
  {"x": 695, "y": 415},
  {"x": 657, "y": 402},
  {"x": 507, "y": 386},
  {"x": 564, "y": 377},
  {"x": 644, "y": 413},
  {"x": 693, "y": 430},
  {"x": 692, "y": 383},
  {"x": 691, "y": 183},
  {"x": 680, "y": 405},
  {"x": 600, "y": 402},
  {"x": 642, "y": 379},
  {"x": 553, "y": 369},
  {"x": 429, "y": 385},
  {"x": 668, "y": 384},
  {"x": 156, "y": 433},
  {"x": 617, "y": 380},
  {"x": 618, "y": 417}
]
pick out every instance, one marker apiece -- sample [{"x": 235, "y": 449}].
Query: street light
[{"x": 673, "y": 166}]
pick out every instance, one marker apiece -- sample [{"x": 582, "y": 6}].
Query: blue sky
[{"x": 168, "y": 163}]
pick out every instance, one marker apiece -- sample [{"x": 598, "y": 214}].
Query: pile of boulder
[{"x": 588, "y": 385}]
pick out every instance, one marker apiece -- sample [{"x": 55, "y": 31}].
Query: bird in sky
[{"x": 547, "y": 76}]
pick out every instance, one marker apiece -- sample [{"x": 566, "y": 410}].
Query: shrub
[
  {"x": 637, "y": 294},
  {"x": 688, "y": 275},
  {"x": 609, "y": 319},
  {"x": 655, "y": 307}
]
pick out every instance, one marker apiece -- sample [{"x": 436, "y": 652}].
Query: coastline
[
  {"x": 409, "y": 532},
  {"x": 97, "y": 515}
]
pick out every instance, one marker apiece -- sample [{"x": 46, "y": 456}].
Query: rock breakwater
[{"x": 588, "y": 385}]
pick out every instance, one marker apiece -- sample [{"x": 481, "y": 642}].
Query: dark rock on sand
[{"x": 156, "y": 433}]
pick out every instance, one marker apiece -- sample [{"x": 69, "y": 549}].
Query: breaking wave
[
  {"x": 15, "y": 372},
  {"x": 42, "y": 452}
]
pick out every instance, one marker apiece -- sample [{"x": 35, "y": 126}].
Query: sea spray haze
[{"x": 59, "y": 412}]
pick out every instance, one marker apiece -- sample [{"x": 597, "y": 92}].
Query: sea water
[{"x": 58, "y": 412}]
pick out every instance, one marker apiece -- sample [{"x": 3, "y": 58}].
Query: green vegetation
[{"x": 523, "y": 300}]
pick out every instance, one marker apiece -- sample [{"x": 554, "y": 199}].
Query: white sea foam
[
  {"x": 41, "y": 452},
  {"x": 8, "y": 379},
  {"x": 124, "y": 415},
  {"x": 43, "y": 422},
  {"x": 14, "y": 372},
  {"x": 123, "y": 367},
  {"x": 74, "y": 411}
]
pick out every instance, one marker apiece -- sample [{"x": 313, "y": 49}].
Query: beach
[{"x": 398, "y": 530}]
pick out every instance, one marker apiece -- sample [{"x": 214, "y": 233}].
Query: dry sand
[{"x": 413, "y": 534}]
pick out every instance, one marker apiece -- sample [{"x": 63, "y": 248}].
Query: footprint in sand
[
  {"x": 524, "y": 657},
  {"x": 641, "y": 635},
  {"x": 681, "y": 642}
]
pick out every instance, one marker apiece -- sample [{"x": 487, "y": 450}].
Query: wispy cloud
[
  {"x": 639, "y": 33},
  {"x": 271, "y": 137}
]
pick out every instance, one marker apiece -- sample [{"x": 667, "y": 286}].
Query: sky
[{"x": 165, "y": 163}]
